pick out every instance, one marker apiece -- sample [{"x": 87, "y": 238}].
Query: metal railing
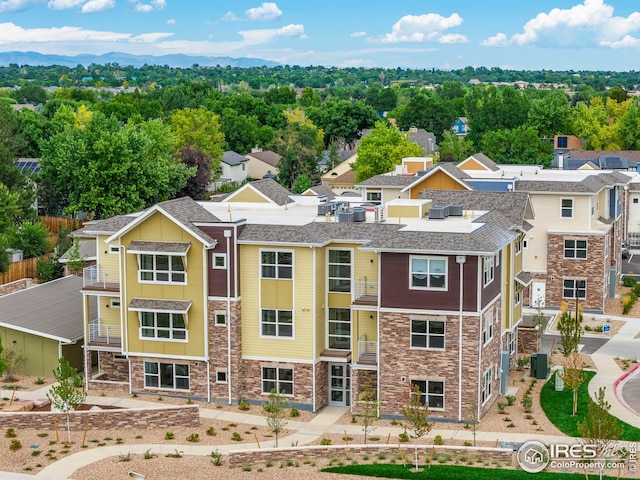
[
  {"x": 97, "y": 277},
  {"x": 104, "y": 333},
  {"x": 365, "y": 289},
  {"x": 367, "y": 351}
]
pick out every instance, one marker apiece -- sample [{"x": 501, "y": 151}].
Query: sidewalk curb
[{"x": 621, "y": 380}]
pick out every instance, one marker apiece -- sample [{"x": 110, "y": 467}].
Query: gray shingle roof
[
  {"x": 267, "y": 156},
  {"x": 233, "y": 158},
  {"x": 452, "y": 168},
  {"x": 323, "y": 190},
  {"x": 87, "y": 250},
  {"x": 188, "y": 212},
  {"x": 272, "y": 190},
  {"x": 486, "y": 161},
  {"x": 165, "y": 247},
  {"x": 159, "y": 304},
  {"x": 590, "y": 184},
  {"x": 385, "y": 180},
  {"x": 108, "y": 225},
  {"x": 52, "y": 309}
]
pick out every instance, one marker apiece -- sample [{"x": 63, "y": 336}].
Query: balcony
[
  {"x": 365, "y": 293},
  {"x": 367, "y": 352},
  {"x": 96, "y": 278},
  {"x": 103, "y": 334}
]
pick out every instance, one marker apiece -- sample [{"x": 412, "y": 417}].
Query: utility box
[{"x": 539, "y": 366}]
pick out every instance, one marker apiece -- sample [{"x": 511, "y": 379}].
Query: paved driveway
[
  {"x": 631, "y": 391},
  {"x": 589, "y": 344}
]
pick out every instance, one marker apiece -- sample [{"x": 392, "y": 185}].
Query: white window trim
[
  {"x": 563, "y": 208},
  {"x": 428, "y": 258},
  {"x": 170, "y": 328},
  {"x": 525, "y": 243},
  {"x": 575, "y": 248},
  {"x": 329, "y": 277},
  {"x": 277, "y": 380},
  {"x": 226, "y": 378},
  {"x": 329, "y": 321},
  {"x": 160, "y": 387},
  {"x": 426, "y": 394},
  {"x": 168, "y": 272},
  {"x": 519, "y": 246},
  {"x": 428, "y": 335},
  {"x": 487, "y": 326},
  {"x": 487, "y": 385},
  {"x": 114, "y": 249},
  {"x": 488, "y": 270},
  {"x": 517, "y": 295},
  {"x": 218, "y": 313},
  {"x": 575, "y": 292},
  {"x": 115, "y": 303},
  {"x": 276, "y": 251},
  {"x": 277, "y": 323},
  {"x": 215, "y": 256}
]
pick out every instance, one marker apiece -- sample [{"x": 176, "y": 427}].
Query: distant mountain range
[{"x": 125, "y": 59}]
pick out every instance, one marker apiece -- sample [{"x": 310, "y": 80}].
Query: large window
[
  {"x": 162, "y": 326},
  {"x": 276, "y": 323},
  {"x": 278, "y": 379},
  {"x": 487, "y": 328},
  {"x": 374, "y": 197},
  {"x": 566, "y": 210},
  {"x": 488, "y": 269},
  {"x": 339, "y": 328},
  {"x": 340, "y": 271},
  {"x": 431, "y": 393},
  {"x": 574, "y": 248},
  {"x": 485, "y": 394},
  {"x": 173, "y": 376},
  {"x": 427, "y": 333},
  {"x": 428, "y": 273},
  {"x": 276, "y": 264},
  {"x": 162, "y": 268},
  {"x": 574, "y": 288}
]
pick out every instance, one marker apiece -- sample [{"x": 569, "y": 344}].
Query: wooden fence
[
  {"x": 55, "y": 224},
  {"x": 19, "y": 270}
]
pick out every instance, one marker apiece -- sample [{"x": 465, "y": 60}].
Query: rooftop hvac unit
[
  {"x": 456, "y": 210},
  {"x": 439, "y": 212},
  {"x": 359, "y": 214},
  {"x": 378, "y": 213},
  {"x": 324, "y": 208},
  {"x": 345, "y": 217}
]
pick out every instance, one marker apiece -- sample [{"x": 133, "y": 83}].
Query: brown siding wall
[
  {"x": 493, "y": 289},
  {"x": 397, "y": 294},
  {"x": 218, "y": 277}
]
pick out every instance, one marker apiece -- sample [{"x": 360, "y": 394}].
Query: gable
[
  {"x": 248, "y": 195},
  {"x": 471, "y": 164},
  {"x": 438, "y": 180}
]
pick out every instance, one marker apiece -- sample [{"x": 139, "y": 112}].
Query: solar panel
[
  {"x": 613, "y": 162},
  {"x": 28, "y": 166},
  {"x": 574, "y": 163}
]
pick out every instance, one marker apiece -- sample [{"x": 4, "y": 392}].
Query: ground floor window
[
  {"x": 431, "y": 393},
  {"x": 278, "y": 379},
  {"x": 574, "y": 288},
  {"x": 486, "y": 386},
  {"x": 173, "y": 376}
]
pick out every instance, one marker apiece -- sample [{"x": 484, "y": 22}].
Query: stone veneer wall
[
  {"x": 322, "y": 384},
  {"x": 197, "y": 377},
  {"x": 139, "y": 418},
  {"x": 302, "y": 381},
  {"x": 528, "y": 340},
  {"x": 115, "y": 370},
  {"x": 11, "y": 287},
  {"x": 361, "y": 381},
  {"x": 590, "y": 269},
  {"x": 218, "y": 354},
  {"x": 315, "y": 452}
]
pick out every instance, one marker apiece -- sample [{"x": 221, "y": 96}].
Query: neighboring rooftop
[{"x": 232, "y": 158}]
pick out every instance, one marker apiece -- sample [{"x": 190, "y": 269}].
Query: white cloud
[
  {"x": 588, "y": 24},
  {"x": 358, "y": 34},
  {"x": 429, "y": 27},
  {"x": 93, "y": 6},
  {"x": 11, "y": 33},
  {"x": 254, "y": 37},
  {"x": 64, "y": 4},
  {"x": 149, "y": 7},
  {"x": 18, "y": 5},
  {"x": 266, "y": 11},
  {"x": 171, "y": 21},
  {"x": 357, "y": 63},
  {"x": 230, "y": 17},
  {"x": 150, "y": 37}
]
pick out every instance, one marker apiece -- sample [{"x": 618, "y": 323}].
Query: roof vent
[{"x": 439, "y": 212}]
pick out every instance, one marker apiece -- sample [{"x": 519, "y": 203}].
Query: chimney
[{"x": 256, "y": 149}]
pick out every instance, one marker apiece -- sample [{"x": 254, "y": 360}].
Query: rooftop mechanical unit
[{"x": 439, "y": 212}]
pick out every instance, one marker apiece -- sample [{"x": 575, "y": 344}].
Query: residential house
[
  {"x": 624, "y": 160},
  {"x": 341, "y": 177},
  {"x": 460, "y": 126},
  {"x": 262, "y": 163},
  {"x": 233, "y": 168}
]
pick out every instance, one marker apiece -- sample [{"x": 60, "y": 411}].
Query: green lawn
[
  {"x": 448, "y": 472},
  {"x": 557, "y": 407}
]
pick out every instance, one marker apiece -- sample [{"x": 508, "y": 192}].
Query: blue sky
[{"x": 534, "y": 34}]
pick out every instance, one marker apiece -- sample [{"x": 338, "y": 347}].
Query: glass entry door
[{"x": 339, "y": 384}]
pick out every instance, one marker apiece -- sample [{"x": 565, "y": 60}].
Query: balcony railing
[
  {"x": 97, "y": 278},
  {"x": 367, "y": 352},
  {"x": 104, "y": 333},
  {"x": 365, "y": 293}
]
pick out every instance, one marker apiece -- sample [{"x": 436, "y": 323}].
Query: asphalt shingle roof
[
  {"x": 267, "y": 156},
  {"x": 272, "y": 190},
  {"x": 233, "y": 158},
  {"x": 384, "y": 180}
]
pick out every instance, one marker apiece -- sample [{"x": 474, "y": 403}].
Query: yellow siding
[
  {"x": 508, "y": 286},
  {"x": 159, "y": 228},
  {"x": 108, "y": 315},
  {"x": 247, "y": 194},
  {"x": 365, "y": 266},
  {"x": 107, "y": 261},
  {"x": 437, "y": 181},
  {"x": 602, "y": 204},
  {"x": 518, "y": 261},
  {"x": 471, "y": 164},
  {"x": 321, "y": 311},
  {"x": 364, "y": 325},
  {"x": 517, "y": 310},
  {"x": 277, "y": 294},
  {"x": 404, "y": 211}
]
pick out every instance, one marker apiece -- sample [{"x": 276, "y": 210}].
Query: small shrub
[
  {"x": 235, "y": 436},
  {"x": 246, "y": 468},
  {"x": 107, "y": 439},
  {"x": 511, "y": 425},
  {"x": 294, "y": 412},
  {"x": 629, "y": 281},
  {"x": 160, "y": 399},
  {"x": 169, "y": 436},
  {"x": 15, "y": 445},
  {"x": 134, "y": 395},
  {"x": 211, "y": 432},
  {"x": 394, "y": 422},
  {"x": 501, "y": 407},
  {"x": 244, "y": 406},
  {"x": 193, "y": 437},
  {"x": 176, "y": 454},
  {"x": 325, "y": 441},
  {"x": 39, "y": 381},
  {"x": 268, "y": 464},
  {"x": 233, "y": 425},
  {"x": 36, "y": 453},
  {"x": 437, "y": 440},
  {"x": 138, "y": 437},
  {"x": 43, "y": 435},
  {"x": 511, "y": 399},
  {"x": 10, "y": 433},
  {"x": 374, "y": 439},
  {"x": 527, "y": 403},
  {"x": 403, "y": 437},
  {"x": 216, "y": 457},
  {"x": 148, "y": 455},
  {"x": 506, "y": 419},
  {"x": 189, "y": 401},
  {"x": 354, "y": 419},
  {"x": 119, "y": 441},
  {"x": 467, "y": 443}
]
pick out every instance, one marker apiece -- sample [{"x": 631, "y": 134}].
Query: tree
[
  {"x": 453, "y": 148},
  {"x": 599, "y": 427},
  {"x": 370, "y": 410},
  {"x": 570, "y": 329},
  {"x": 381, "y": 150},
  {"x": 199, "y": 129},
  {"x": 75, "y": 261},
  {"x": 13, "y": 359},
  {"x": 302, "y": 184},
  {"x": 573, "y": 376},
  {"x": 521, "y": 145},
  {"x": 3, "y": 362},
  {"x": 416, "y": 415},
  {"x": 197, "y": 184},
  {"x": 48, "y": 269},
  {"x": 550, "y": 114},
  {"x": 427, "y": 111},
  {"x": 32, "y": 238},
  {"x": 275, "y": 411},
  {"x": 68, "y": 392}
]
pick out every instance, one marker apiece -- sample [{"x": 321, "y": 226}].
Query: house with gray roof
[
  {"x": 233, "y": 168},
  {"x": 262, "y": 162}
]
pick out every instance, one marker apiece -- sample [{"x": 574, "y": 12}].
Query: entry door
[
  {"x": 537, "y": 294},
  {"x": 339, "y": 384}
]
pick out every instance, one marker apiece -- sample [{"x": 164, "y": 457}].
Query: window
[
  {"x": 487, "y": 328},
  {"x": 567, "y": 208},
  {"x": 427, "y": 334},
  {"x": 517, "y": 296},
  {"x": 277, "y": 264},
  {"x": 162, "y": 326},
  {"x": 174, "y": 376},
  {"x": 575, "y": 248},
  {"x": 431, "y": 393},
  {"x": 340, "y": 271},
  {"x": 518, "y": 246},
  {"x": 278, "y": 379},
  {"x": 220, "y": 318},
  {"x": 374, "y": 197},
  {"x": 562, "y": 142},
  {"x": 488, "y": 269},
  {"x": 244, "y": 167},
  {"x": 114, "y": 249},
  {"x": 221, "y": 376},
  {"x": 162, "y": 268},
  {"x": 511, "y": 341},
  {"x": 635, "y": 200},
  {"x": 574, "y": 288},
  {"x": 114, "y": 303},
  {"x": 277, "y": 323},
  {"x": 219, "y": 260},
  {"x": 428, "y": 273},
  {"x": 525, "y": 243},
  {"x": 339, "y": 328},
  {"x": 485, "y": 394}
]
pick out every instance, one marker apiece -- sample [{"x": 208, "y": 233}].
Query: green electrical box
[{"x": 543, "y": 364}]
